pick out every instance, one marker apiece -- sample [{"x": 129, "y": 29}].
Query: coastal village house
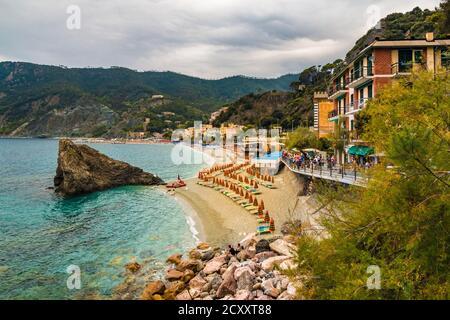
[
  {"x": 322, "y": 107},
  {"x": 374, "y": 67}
]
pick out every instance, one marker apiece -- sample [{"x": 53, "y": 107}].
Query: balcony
[
  {"x": 356, "y": 107},
  {"x": 338, "y": 90},
  {"x": 360, "y": 76},
  {"x": 406, "y": 68}
]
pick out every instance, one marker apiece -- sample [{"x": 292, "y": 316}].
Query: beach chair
[{"x": 263, "y": 229}]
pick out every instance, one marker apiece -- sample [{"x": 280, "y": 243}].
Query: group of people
[
  {"x": 301, "y": 160},
  {"x": 361, "y": 162}
]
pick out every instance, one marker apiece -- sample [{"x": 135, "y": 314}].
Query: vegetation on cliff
[
  {"x": 285, "y": 109},
  {"x": 401, "y": 221},
  {"x": 34, "y": 97},
  {"x": 409, "y": 25}
]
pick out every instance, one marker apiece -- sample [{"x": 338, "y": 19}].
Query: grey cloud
[{"x": 207, "y": 38}]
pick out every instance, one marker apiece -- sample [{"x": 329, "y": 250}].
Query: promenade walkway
[{"x": 333, "y": 174}]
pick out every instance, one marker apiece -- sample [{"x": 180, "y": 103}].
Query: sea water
[{"x": 42, "y": 234}]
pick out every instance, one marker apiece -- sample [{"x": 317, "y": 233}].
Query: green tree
[
  {"x": 339, "y": 138},
  {"x": 401, "y": 221},
  {"x": 302, "y": 138}
]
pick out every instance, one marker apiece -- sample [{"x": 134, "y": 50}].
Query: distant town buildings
[
  {"x": 136, "y": 135},
  {"x": 146, "y": 123},
  {"x": 217, "y": 113}
]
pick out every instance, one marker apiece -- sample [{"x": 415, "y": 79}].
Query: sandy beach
[{"x": 219, "y": 220}]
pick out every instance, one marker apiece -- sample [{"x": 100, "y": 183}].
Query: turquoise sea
[{"x": 41, "y": 234}]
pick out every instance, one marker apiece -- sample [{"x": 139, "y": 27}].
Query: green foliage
[
  {"x": 124, "y": 91},
  {"x": 409, "y": 25},
  {"x": 281, "y": 108},
  {"x": 401, "y": 221},
  {"x": 442, "y": 17},
  {"x": 99, "y": 131}
]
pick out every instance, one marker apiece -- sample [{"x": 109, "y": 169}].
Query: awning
[{"x": 360, "y": 151}]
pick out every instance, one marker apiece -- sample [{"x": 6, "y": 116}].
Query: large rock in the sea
[{"x": 82, "y": 169}]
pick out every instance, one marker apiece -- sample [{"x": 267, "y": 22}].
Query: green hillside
[{"x": 32, "y": 97}]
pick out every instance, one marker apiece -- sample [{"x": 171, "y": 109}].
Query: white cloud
[{"x": 208, "y": 38}]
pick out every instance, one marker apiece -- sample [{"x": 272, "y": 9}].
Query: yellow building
[{"x": 322, "y": 107}]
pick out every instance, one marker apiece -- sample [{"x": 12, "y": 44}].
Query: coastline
[{"x": 219, "y": 221}]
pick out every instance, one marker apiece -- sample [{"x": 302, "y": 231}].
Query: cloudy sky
[{"x": 205, "y": 38}]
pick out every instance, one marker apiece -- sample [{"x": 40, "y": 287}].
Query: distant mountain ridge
[{"x": 31, "y": 95}]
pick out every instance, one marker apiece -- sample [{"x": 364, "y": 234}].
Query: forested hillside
[{"x": 50, "y": 100}]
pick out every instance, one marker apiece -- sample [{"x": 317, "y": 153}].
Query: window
[
  {"x": 418, "y": 56},
  {"x": 351, "y": 125},
  {"x": 369, "y": 65},
  {"x": 369, "y": 91},
  {"x": 405, "y": 59},
  {"x": 445, "y": 57},
  {"x": 361, "y": 93}
]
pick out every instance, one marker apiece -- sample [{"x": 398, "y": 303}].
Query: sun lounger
[{"x": 262, "y": 229}]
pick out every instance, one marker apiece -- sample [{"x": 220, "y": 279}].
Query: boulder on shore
[{"x": 82, "y": 169}]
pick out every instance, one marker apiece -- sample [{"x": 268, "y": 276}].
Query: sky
[{"x": 205, "y": 38}]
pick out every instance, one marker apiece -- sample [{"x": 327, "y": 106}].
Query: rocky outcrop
[
  {"x": 82, "y": 169},
  {"x": 213, "y": 273}
]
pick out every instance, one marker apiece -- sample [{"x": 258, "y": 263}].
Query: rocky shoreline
[{"x": 257, "y": 272}]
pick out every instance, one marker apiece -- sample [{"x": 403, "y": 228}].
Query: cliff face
[{"x": 82, "y": 169}]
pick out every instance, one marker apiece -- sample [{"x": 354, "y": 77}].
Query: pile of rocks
[{"x": 255, "y": 273}]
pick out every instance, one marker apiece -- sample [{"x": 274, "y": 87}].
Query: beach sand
[{"x": 221, "y": 221}]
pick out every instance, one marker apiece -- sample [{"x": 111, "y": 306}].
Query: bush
[{"x": 401, "y": 221}]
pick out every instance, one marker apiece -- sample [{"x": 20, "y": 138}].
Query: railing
[
  {"x": 350, "y": 107},
  {"x": 407, "y": 67},
  {"x": 336, "y": 87},
  {"x": 358, "y": 73},
  {"x": 362, "y": 102},
  {"x": 328, "y": 171}
]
